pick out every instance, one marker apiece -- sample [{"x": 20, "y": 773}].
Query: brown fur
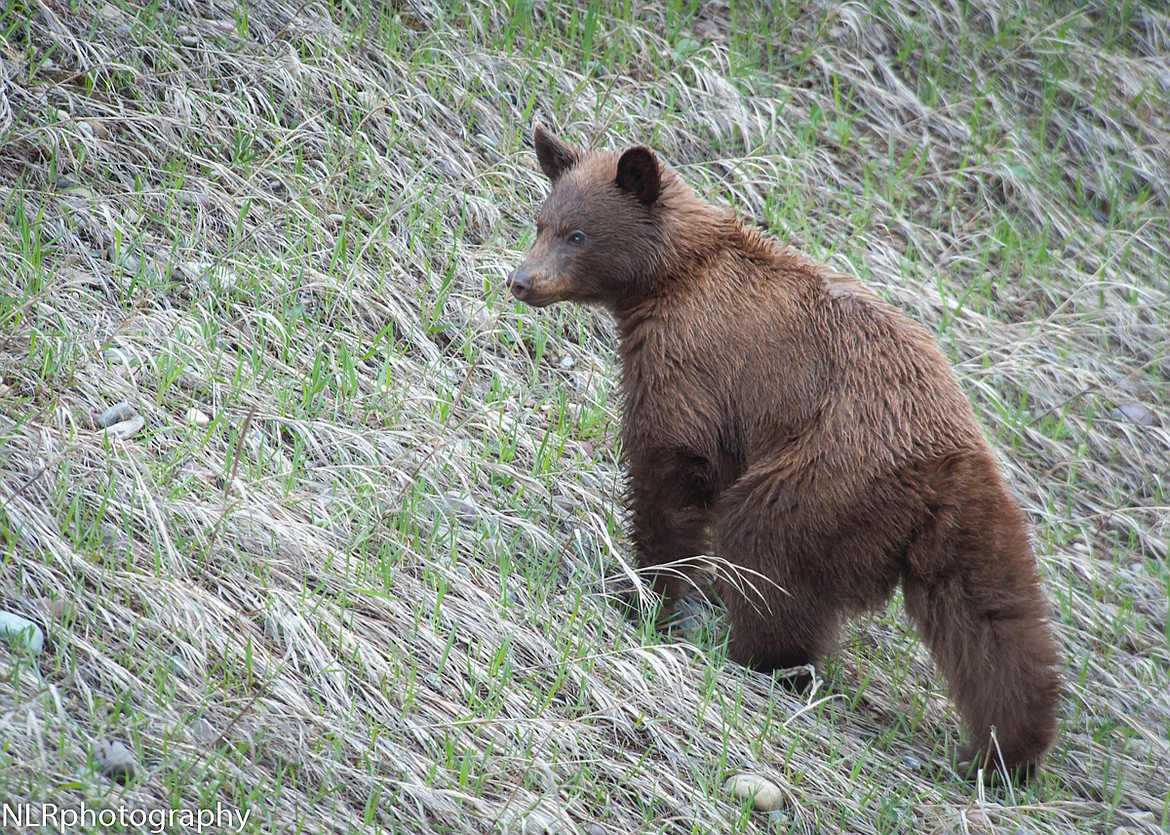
[{"x": 782, "y": 417}]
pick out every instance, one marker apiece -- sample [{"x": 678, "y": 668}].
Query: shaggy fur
[{"x": 782, "y": 417}]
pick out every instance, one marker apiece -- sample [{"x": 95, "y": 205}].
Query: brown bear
[{"x": 783, "y": 418}]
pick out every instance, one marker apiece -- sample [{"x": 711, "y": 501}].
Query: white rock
[
  {"x": 115, "y": 761},
  {"x": 126, "y": 428},
  {"x": 765, "y": 795},
  {"x": 198, "y": 418},
  {"x": 22, "y": 632}
]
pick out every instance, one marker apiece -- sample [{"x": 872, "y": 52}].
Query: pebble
[
  {"x": 21, "y": 631},
  {"x": 1135, "y": 413},
  {"x": 119, "y": 359},
  {"x": 60, "y": 609},
  {"x": 111, "y": 14},
  {"x": 97, "y": 128},
  {"x": 566, "y": 362},
  {"x": 911, "y": 761},
  {"x": 463, "y": 507},
  {"x": 765, "y": 795},
  {"x": 779, "y": 820},
  {"x": 129, "y": 261},
  {"x": 126, "y": 428},
  {"x": 118, "y": 413},
  {"x": 203, "y": 732},
  {"x": 198, "y": 418},
  {"x": 115, "y": 761}
]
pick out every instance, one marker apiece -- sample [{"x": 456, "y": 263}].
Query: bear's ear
[
  {"x": 639, "y": 175},
  {"x": 556, "y": 157}
]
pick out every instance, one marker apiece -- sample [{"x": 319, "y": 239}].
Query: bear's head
[{"x": 598, "y": 239}]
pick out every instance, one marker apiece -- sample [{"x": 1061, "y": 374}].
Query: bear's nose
[{"x": 520, "y": 282}]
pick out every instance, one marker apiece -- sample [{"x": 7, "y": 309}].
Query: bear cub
[{"x": 781, "y": 417}]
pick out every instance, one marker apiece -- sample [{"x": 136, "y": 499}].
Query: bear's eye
[{"x": 577, "y": 237}]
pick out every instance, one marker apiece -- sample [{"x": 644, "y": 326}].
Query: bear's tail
[{"x": 972, "y": 588}]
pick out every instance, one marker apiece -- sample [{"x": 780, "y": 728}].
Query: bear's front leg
[{"x": 671, "y": 494}]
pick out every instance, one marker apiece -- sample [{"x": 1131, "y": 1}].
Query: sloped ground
[{"x": 349, "y": 573}]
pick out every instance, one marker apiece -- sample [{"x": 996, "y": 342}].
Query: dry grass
[{"x": 368, "y": 594}]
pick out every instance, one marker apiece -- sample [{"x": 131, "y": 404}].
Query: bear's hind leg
[
  {"x": 779, "y": 614},
  {"x": 771, "y": 631}
]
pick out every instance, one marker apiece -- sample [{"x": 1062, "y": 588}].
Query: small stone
[
  {"x": 566, "y": 362},
  {"x": 130, "y": 261},
  {"x": 111, "y": 14},
  {"x": 62, "y": 115},
  {"x": 463, "y": 507},
  {"x": 976, "y": 818},
  {"x": 1135, "y": 413},
  {"x": 203, "y": 732},
  {"x": 765, "y": 795},
  {"x": 96, "y": 127},
  {"x": 911, "y": 761},
  {"x": 779, "y": 820},
  {"x": 188, "y": 38},
  {"x": 126, "y": 428},
  {"x": 121, "y": 362},
  {"x": 21, "y": 632},
  {"x": 593, "y": 829},
  {"x": 222, "y": 278},
  {"x": 60, "y": 609},
  {"x": 115, "y": 761},
  {"x": 118, "y": 413},
  {"x": 198, "y": 418}
]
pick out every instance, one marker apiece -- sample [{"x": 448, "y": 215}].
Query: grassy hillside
[{"x": 348, "y": 572}]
